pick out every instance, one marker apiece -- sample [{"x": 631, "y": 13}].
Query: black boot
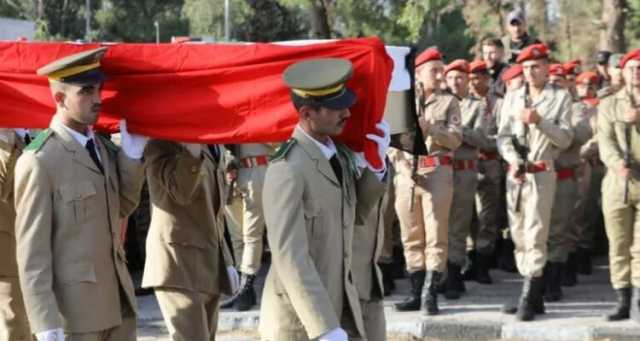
[
  {"x": 247, "y": 297},
  {"x": 507, "y": 261},
  {"x": 537, "y": 304},
  {"x": 584, "y": 265},
  {"x": 634, "y": 312},
  {"x": 454, "y": 285},
  {"x": 412, "y": 303},
  {"x": 621, "y": 311},
  {"x": 469, "y": 270},
  {"x": 387, "y": 278},
  {"x": 569, "y": 276},
  {"x": 552, "y": 279},
  {"x": 429, "y": 293},
  {"x": 525, "y": 310},
  {"x": 483, "y": 263}
]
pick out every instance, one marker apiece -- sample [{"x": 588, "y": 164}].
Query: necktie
[
  {"x": 91, "y": 148},
  {"x": 215, "y": 152},
  {"x": 337, "y": 169}
]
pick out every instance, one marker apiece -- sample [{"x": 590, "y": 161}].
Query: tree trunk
[
  {"x": 539, "y": 18},
  {"x": 319, "y": 20},
  {"x": 613, "y": 22}
]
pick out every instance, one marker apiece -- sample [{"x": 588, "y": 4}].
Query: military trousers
[
  {"x": 126, "y": 331},
  {"x": 412, "y": 228},
  {"x": 389, "y": 217},
  {"x": 564, "y": 203},
  {"x": 585, "y": 219},
  {"x": 434, "y": 192},
  {"x": 529, "y": 227},
  {"x": 233, "y": 215},
  {"x": 188, "y": 315},
  {"x": 465, "y": 183},
  {"x": 374, "y": 321},
  {"x": 488, "y": 196},
  {"x": 622, "y": 223},
  {"x": 14, "y": 325}
]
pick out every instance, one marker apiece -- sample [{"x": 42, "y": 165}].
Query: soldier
[
  {"x": 534, "y": 127},
  {"x": 602, "y": 60},
  {"x": 493, "y": 56},
  {"x": 518, "y": 37},
  {"x": 13, "y": 318},
  {"x": 615, "y": 72},
  {"x": 191, "y": 264},
  {"x": 513, "y": 78},
  {"x": 619, "y": 143},
  {"x": 490, "y": 170},
  {"x": 440, "y": 124},
  {"x": 314, "y": 191},
  {"x": 250, "y": 164},
  {"x": 572, "y": 69},
  {"x": 567, "y": 166},
  {"x": 457, "y": 78},
  {"x": 557, "y": 75},
  {"x": 72, "y": 188},
  {"x": 465, "y": 182}
]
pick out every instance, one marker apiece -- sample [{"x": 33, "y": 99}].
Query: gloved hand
[
  {"x": 337, "y": 334},
  {"x": 132, "y": 144},
  {"x": 234, "y": 278},
  {"x": 194, "y": 149},
  {"x": 51, "y": 335},
  {"x": 383, "y": 143}
]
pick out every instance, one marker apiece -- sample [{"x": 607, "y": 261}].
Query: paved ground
[{"x": 475, "y": 316}]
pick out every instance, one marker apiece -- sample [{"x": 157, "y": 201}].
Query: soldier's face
[
  {"x": 535, "y": 71},
  {"x": 82, "y": 103},
  {"x": 430, "y": 74},
  {"x": 556, "y": 80},
  {"x": 586, "y": 90},
  {"x": 492, "y": 55},
  {"x": 324, "y": 121},
  {"x": 631, "y": 73},
  {"x": 516, "y": 29},
  {"x": 457, "y": 82},
  {"x": 479, "y": 83}
]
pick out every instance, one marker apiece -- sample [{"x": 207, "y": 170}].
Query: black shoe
[
  {"x": 634, "y": 312},
  {"x": 247, "y": 297},
  {"x": 469, "y": 270},
  {"x": 454, "y": 285},
  {"x": 569, "y": 275},
  {"x": 623, "y": 305},
  {"x": 429, "y": 293},
  {"x": 525, "y": 310},
  {"x": 584, "y": 265},
  {"x": 507, "y": 261},
  {"x": 387, "y": 278},
  {"x": 413, "y": 301},
  {"x": 553, "y": 278},
  {"x": 482, "y": 269}
]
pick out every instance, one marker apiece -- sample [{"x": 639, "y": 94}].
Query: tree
[
  {"x": 613, "y": 23},
  {"x": 268, "y": 20}
]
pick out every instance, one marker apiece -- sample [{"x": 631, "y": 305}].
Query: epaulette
[
  {"x": 39, "y": 141},
  {"x": 282, "y": 151},
  {"x": 108, "y": 144}
]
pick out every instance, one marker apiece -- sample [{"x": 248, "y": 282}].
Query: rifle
[
  {"x": 627, "y": 152},
  {"x": 417, "y": 110},
  {"x": 522, "y": 148}
]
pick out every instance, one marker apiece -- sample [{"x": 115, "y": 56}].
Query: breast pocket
[
  {"x": 76, "y": 272},
  {"x": 78, "y": 200}
]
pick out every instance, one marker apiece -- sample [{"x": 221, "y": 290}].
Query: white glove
[
  {"x": 51, "y": 335},
  {"x": 234, "y": 278},
  {"x": 194, "y": 149},
  {"x": 132, "y": 144},
  {"x": 337, "y": 334},
  {"x": 7, "y": 135},
  {"x": 383, "y": 143}
]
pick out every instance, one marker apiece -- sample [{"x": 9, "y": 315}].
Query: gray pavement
[{"x": 476, "y": 316}]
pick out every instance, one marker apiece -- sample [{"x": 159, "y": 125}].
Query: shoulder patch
[
  {"x": 282, "y": 151},
  {"x": 39, "y": 141},
  {"x": 108, "y": 144}
]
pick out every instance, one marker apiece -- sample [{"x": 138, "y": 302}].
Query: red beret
[
  {"x": 572, "y": 67},
  {"x": 631, "y": 55},
  {"x": 557, "y": 69},
  {"x": 532, "y": 52},
  {"x": 477, "y": 66},
  {"x": 587, "y": 77},
  {"x": 512, "y": 72},
  {"x": 459, "y": 65},
  {"x": 429, "y": 54}
]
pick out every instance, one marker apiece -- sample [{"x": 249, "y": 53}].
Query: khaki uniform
[
  {"x": 13, "y": 318},
  {"x": 434, "y": 190},
  {"x": 623, "y": 228},
  {"x": 370, "y": 237},
  {"x": 530, "y": 226},
  {"x": 490, "y": 173},
  {"x": 310, "y": 219},
  {"x": 185, "y": 245},
  {"x": 71, "y": 261},
  {"x": 474, "y": 118},
  {"x": 568, "y": 167},
  {"x": 249, "y": 217}
]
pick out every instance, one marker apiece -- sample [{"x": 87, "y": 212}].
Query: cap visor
[
  {"x": 343, "y": 101},
  {"x": 86, "y": 78}
]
